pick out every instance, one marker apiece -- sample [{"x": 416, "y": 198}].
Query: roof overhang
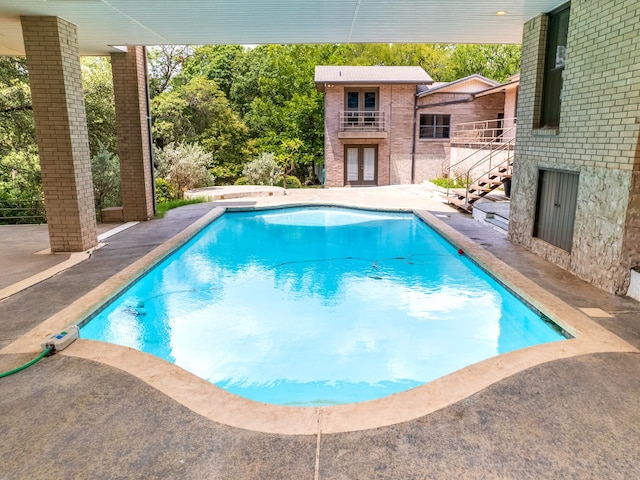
[
  {"x": 326, "y": 76},
  {"x": 105, "y": 23}
]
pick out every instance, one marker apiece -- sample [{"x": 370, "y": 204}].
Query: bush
[
  {"x": 242, "y": 181},
  {"x": 292, "y": 182},
  {"x": 262, "y": 171},
  {"x": 449, "y": 182},
  {"x": 164, "y": 191},
  {"x": 184, "y": 167}
]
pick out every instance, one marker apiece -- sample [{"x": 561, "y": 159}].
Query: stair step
[
  {"x": 480, "y": 188},
  {"x": 462, "y": 192},
  {"x": 498, "y": 221},
  {"x": 459, "y": 202},
  {"x": 494, "y": 181}
]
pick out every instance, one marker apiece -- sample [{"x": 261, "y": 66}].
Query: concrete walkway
[{"x": 69, "y": 417}]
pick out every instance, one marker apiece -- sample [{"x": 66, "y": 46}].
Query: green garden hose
[{"x": 26, "y": 365}]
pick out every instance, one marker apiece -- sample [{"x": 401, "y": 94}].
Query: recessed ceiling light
[{"x": 501, "y": 12}]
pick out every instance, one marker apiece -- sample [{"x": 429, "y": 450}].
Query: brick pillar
[
  {"x": 136, "y": 174},
  {"x": 53, "y": 60}
]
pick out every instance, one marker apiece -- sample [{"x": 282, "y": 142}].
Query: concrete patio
[{"x": 69, "y": 417}]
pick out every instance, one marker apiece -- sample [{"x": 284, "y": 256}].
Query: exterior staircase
[{"x": 483, "y": 176}]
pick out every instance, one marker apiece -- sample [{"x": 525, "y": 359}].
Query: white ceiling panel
[{"x": 102, "y": 23}]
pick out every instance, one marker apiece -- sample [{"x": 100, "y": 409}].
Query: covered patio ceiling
[{"x": 103, "y": 24}]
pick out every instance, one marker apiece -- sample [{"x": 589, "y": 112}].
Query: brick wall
[
  {"x": 61, "y": 128},
  {"x": 136, "y": 176},
  {"x": 433, "y": 155},
  {"x": 597, "y": 137}
]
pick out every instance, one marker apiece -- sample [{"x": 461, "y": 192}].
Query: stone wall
[{"x": 597, "y": 137}]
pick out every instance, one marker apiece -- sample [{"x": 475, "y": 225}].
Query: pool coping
[{"x": 218, "y": 405}]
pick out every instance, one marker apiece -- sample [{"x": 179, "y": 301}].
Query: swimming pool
[{"x": 319, "y": 306}]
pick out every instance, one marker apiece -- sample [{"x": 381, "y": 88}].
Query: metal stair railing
[
  {"x": 473, "y": 133},
  {"x": 500, "y": 149}
]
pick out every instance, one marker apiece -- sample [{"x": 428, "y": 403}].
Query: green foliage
[
  {"x": 262, "y": 171},
  {"x": 20, "y": 176},
  {"x": 292, "y": 182},
  {"x": 105, "y": 170},
  {"x": 265, "y": 97},
  {"x": 17, "y": 130},
  {"x": 214, "y": 62},
  {"x": 242, "y": 181},
  {"x": 497, "y": 62},
  {"x": 165, "y": 192},
  {"x": 164, "y": 207},
  {"x": 97, "y": 83},
  {"x": 199, "y": 113},
  {"x": 184, "y": 166},
  {"x": 230, "y": 101},
  {"x": 449, "y": 182},
  {"x": 165, "y": 63}
]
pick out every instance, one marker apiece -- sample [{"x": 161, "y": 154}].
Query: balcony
[
  {"x": 362, "y": 124},
  {"x": 482, "y": 132}
]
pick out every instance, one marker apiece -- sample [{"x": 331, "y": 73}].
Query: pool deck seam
[{"x": 220, "y": 406}]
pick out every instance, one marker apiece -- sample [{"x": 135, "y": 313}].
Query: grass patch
[
  {"x": 164, "y": 207},
  {"x": 449, "y": 182}
]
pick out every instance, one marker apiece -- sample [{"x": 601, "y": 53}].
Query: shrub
[
  {"x": 262, "y": 171},
  {"x": 242, "y": 181},
  {"x": 184, "y": 166},
  {"x": 449, "y": 182},
  {"x": 164, "y": 191},
  {"x": 292, "y": 182}
]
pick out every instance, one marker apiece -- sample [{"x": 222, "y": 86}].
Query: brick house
[
  {"x": 576, "y": 180},
  {"x": 395, "y": 125}
]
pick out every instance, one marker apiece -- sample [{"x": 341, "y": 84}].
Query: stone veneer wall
[
  {"x": 53, "y": 59},
  {"x": 597, "y": 137},
  {"x": 136, "y": 175}
]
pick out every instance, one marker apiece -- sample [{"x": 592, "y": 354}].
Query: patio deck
[{"x": 70, "y": 417}]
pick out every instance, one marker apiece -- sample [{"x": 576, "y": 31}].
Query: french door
[{"x": 361, "y": 164}]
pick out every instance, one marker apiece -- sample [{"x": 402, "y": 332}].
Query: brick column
[
  {"x": 55, "y": 77},
  {"x": 136, "y": 174}
]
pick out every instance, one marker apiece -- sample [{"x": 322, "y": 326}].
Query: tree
[
  {"x": 165, "y": 63},
  {"x": 198, "y": 112},
  {"x": 97, "y": 84},
  {"x": 20, "y": 176},
  {"x": 214, "y": 62},
  {"x": 497, "y": 62},
  {"x": 17, "y": 130}
]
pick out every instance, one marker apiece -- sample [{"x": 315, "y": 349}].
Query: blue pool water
[{"x": 319, "y": 306}]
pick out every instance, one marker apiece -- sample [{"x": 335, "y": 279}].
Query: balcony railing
[
  {"x": 497, "y": 130},
  {"x": 362, "y": 121}
]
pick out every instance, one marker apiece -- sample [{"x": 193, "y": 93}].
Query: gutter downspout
[
  {"x": 413, "y": 146},
  {"x": 148, "y": 94}
]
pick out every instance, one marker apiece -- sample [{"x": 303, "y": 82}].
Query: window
[
  {"x": 361, "y": 105},
  {"x": 556, "y": 207},
  {"x": 435, "y": 126},
  {"x": 555, "y": 59}
]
